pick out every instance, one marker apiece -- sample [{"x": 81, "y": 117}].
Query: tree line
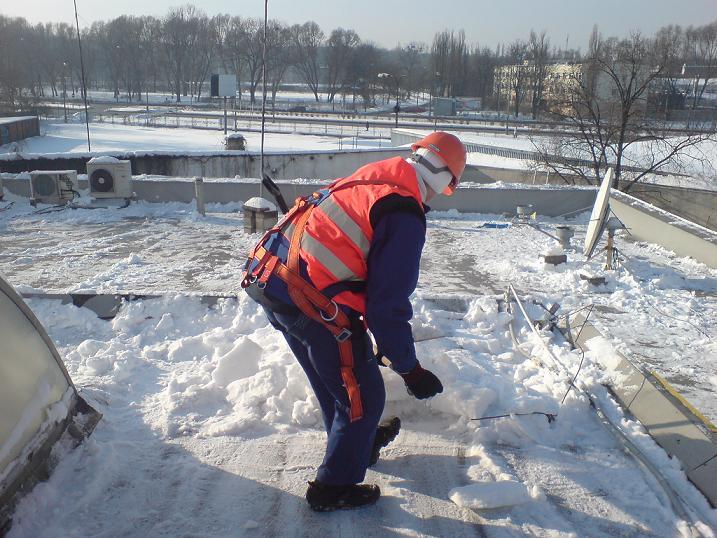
[{"x": 132, "y": 55}]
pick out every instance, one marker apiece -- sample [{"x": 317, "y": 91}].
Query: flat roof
[{"x": 15, "y": 119}]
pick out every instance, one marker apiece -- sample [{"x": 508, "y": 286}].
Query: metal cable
[
  {"x": 676, "y": 502},
  {"x": 582, "y": 352}
]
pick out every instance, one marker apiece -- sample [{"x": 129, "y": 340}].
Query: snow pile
[
  {"x": 103, "y": 159},
  {"x": 501, "y": 494},
  {"x": 113, "y": 279},
  {"x": 259, "y": 203},
  {"x": 195, "y": 399}
]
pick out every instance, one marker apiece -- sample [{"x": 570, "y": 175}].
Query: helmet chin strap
[{"x": 433, "y": 175}]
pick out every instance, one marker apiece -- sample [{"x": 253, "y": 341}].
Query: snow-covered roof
[
  {"x": 15, "y": 119},
  {"x": 103, "y": 159}
]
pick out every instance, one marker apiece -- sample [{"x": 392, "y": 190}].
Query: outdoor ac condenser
[
  {"x": 109, "y": 178},
  {"x": 55, "y": 187}
]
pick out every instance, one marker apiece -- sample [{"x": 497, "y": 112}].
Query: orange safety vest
[
  {"x": 331, "y": 231},
  {"x": 338, "y": 234}
]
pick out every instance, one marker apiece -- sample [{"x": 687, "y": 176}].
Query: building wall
[
  {"x": 560, "y": 83},
  {"x": 312, "y": 165},
  {"x": 16, "y": 129}
]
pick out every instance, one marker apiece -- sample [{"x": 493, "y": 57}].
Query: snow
[
  {"x": 5, "y": 121},
  {"x": 40, "y": 406},
  {"x": 260, "y": 203},
  {"x": 502, "y": 494},
  {"x": 104, "y": 159},
  {"x": 35, "y": 409},
  {"x": 210, "y": 427},
  {"x": 72, "y": 138},
  {"x": 694, "y": 168}
]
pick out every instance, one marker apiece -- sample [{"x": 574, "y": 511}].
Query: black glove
[{"x": 422, "y": 383}]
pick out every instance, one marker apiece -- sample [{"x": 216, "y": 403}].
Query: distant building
[{"x": 559, "y": 85}]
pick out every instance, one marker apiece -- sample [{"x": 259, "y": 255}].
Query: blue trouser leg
[{"x": 349, "y": 443}]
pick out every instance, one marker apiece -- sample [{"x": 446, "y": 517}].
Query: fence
[{"x": 401, "y": 137}]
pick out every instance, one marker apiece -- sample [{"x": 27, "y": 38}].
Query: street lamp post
[
  {"x": 64, "y": 89},
  {"x": 397, "y": 107},
  {"x": 434, "y": 78}
]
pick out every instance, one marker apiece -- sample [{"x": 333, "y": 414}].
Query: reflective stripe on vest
[{"x": 337, "y": 237}]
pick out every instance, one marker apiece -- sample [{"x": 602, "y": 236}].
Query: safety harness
[{"x": 307, "y": 298}]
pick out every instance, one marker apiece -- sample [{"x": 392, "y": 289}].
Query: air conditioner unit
[
  {"x": 109, "y": 178},
  {"x": 55, "y": 187}
]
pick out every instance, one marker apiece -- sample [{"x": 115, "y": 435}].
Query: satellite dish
[{"x": 598, "y": 217}]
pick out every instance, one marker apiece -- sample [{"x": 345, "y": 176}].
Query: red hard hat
[{"x": 451, "y": 151}]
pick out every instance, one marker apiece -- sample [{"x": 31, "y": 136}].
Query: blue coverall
[{"x": 393, "y": 265}]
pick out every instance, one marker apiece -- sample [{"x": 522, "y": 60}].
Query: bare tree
[
  {"x": 203, "y": 47},
  {"x": 411, "y": 57},
  {"x": 449, "y": 56},
  {"x": 231, "y": 38},
  {"x": 606, "y": 109},
  {"x": 339, "y": 48},
  {"x": 701, "y": 52},
  {"x": 482, "y": 64},
  {"x": 279, "y": 55},
  {"x": 362, "y": 72},
  {"x": 307, "y": 38},
  {"x": 152, "y": 59},
  {"x": 665, "y": 92},
  {"x": 519, "y": 73},
  {"x": 251, "y": 54},
  {"x": 176, "y": 45},
  {"x": 12, "y": 73},
  {"x": 538, "y": 46}
]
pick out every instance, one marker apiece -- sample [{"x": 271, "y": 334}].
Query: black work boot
[
  {"x": 385, "y": 433},
  {"x": 326, "y": 498}
]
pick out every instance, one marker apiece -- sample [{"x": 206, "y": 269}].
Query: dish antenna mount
[{"x": 599, "y": 222}]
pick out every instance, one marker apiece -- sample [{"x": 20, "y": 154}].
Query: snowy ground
[
  {"x": 698, "y": 163},
  {"x": 210, "y": 428},
  {"x": 60, "y": 137}
]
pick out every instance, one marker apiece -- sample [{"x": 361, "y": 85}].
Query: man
[{"x": 342, "y": 260}]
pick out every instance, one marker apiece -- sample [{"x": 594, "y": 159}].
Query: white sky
[{"x": 488, "y": 22}]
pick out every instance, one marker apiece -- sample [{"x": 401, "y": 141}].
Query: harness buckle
[
  {"x": 332, "y": 318},
  {"x": 344, "y": 335}
]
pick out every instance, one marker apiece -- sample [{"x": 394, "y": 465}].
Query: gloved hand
[{"x": 422, "y": 383}]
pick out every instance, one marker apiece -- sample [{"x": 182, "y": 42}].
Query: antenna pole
[
  {"x": 82, "y": 69},
  {"x": 263, "y": 98}
]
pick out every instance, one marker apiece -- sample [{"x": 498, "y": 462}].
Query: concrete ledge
[
  {"x": 669, "y": 419},
  {"x": 649, "y": 223},
  {"x": 106, "y": 305},
  {"x": 326, "y": 165},
  {"x": 550, "y": 202}
]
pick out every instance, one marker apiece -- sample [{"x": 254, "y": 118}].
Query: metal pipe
[
  {"x": 199, "y": 195},
  {"x": 263, "y": 99}
]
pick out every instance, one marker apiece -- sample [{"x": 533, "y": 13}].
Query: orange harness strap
[
  {"x": 311, "y": 302},
  {"x": 303, "y": 296}
]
